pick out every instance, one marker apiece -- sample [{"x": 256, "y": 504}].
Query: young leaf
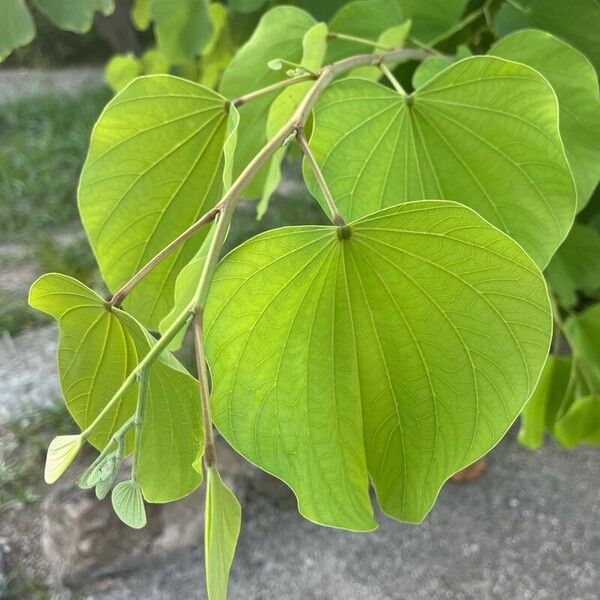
[
  {"x": 384, "y": 356},
  {"x": 576, "y": 85},
  {"x": 61, "y": 452},
  {"x": 314, "y": 46},
  {"x": 98, "y": 348},
  {"x": 128, "y": 503},
  {"x": 222, "y": 520},
  {"x": 74, "y": 15},
  {"x": 16, "y": 27},
  {"x": 576, "y": 265},
  {"x": 580, "y": 424},
  {"x": 551, "y": 394},
  {"x": 278, "y": 34},
  {"x": 154, "y": 166},
  {"x": 121, "y": 70},
  {"x": 182, "y": 28},
  {"x": 467, "y": 133},
  {"x": 575, "y": 21}
]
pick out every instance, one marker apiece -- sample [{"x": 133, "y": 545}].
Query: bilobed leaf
[
  {"x": 576, "y": 85},
  {"x": 584, "y": 332},
  {"x": 279, "y": 34},
  {"x": 375, "y": 357},
  {"x": 128, "y": 503},
  {"x": 98, "y": 348},
  {"x": 74, "y": 15},
  {"x": 16, "y": 27},
  {"x": 121, "y": 70},
  {"x": 433, "y": 18},
  {"x": 222, "y": 521},
  {"x": 61, "y": 452},
  {"x": 428, "y": 69},
  {"x": 154, "y": 62},
  {"x": 182, "y": 27},
  {"x": 576, "y": 265},
  {"x": 155, "y": 165},
  {"x": 552, "y": 393},
  {"x": 484, "y": 132},
  {"x": 580, "y": 424},
  {"x": 141, "y": 14},
  {"x": 575, "y": 21}
]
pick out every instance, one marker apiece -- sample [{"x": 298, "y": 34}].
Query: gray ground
[{"x": 528, "y": 529}]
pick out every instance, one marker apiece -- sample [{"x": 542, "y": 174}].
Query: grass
[{"x": 44, "y": 143}]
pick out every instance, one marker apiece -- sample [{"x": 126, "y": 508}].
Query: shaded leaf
[
  {"x": 222, "y": 521},
  {"x": 584, "y": 330},
  {"x": 339, "y": 361},
  {"x": 480, "y": 124},
  {"x": 128, "y": 503},
  {"x": 580, "y": 424},
  {"x": 154, "y": 166},
  {"x": 16, "y": 27},
  {"x": 97, "y": 349},
  {"x": 576, "y": 85},
  {"x": 74, "y": 15}
]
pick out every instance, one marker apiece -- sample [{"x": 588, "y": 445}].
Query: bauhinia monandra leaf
[
  {"x": 155, "y": 165},
  {"x": 397, "y": 352},
  {"x": 483, "y": 132},
  {"x": 98, "y": 348}
]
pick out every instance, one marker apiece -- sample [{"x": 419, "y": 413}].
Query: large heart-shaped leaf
[
  {"x": 98, "y": 348},
  {"x": 16, "y": 27},
  {"x": 155, "y": 165},
  {"x": 575, "y": 21},
  {"x": 398, "y": 350},
  {"x": 279, "y": 34},
  {"x": 576, "y": 85},
  {"x": 484, "y": 132}
]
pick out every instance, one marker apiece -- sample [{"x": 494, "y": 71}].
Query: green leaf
[
  {"x": 246, "y": 6},
  {"x": 98, "y": 348},
  {"x": 16, "y": 27},
  {"x": 121, "y": 70},
  {"x": 141, "y": 14},
  {"x": 74, "y": 15},
  {"x": 576, "y": 265},
  {"x": 154, "y": 62},
  {"x": 128, "y": 503},
  {"x": 575, "y": 21},
  {"x": 484, "y": 132},
  {"x": 279, "y": 34},
  {"x": 428, "y": 69},
  {"x": 362, "y": 18},
  {"x": 580, "y": 424},
  {"x": 314, "y": 46},
  {"x": 432, "y": 18},
  {"x": 552, "y": 393},
  {"x": 182, "y": 28},
  {"x": 335, "y": 362},
  {"x": 584, "y": 330},
  {"x": 154, "y": 166},
  {"x": 222, "y": 521},
  {"x": 576, "y": 85},
  {"x": 61, "y": 452}
]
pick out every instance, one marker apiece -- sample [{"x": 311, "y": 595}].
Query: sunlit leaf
[
  {"x": 74, "y": 15},
  {"x": 551, "y": 394},
  {"x": 98, "y": 348},
  {"x": 576, "y": 85},
  {"x": 484, "y": 133},
  {"x": 278, "y": 35},
  {"x": 155, "y": 165},
  {"x": 576, "y": 265},
  {"x": 580, "y": 424},
  {"x": 141, "y": 14},
  {"x": 222, "y": 521},
  {"x": 398, "y": 355},
  {"x": 182, "y": 27},
  {"x": 314, "y": 46},
  {"x": 575, "y": 21},
  {"x": 16, "y": 27},
  {"x": 61, "y": 452},
  {"x": 128, "y": 503}
]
